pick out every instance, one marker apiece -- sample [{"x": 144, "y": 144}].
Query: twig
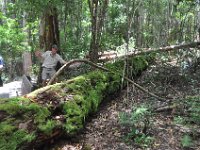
[
  {"x": 164, "y": 108},
  {"x": 185, "y": 129}
]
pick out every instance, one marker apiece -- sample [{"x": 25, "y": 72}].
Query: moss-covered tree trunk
[{"x": 58, "y": 109}]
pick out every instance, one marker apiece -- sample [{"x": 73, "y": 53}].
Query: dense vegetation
[
  {"x": 83, "y": 26},
  {"x": 89, "y": 27}
]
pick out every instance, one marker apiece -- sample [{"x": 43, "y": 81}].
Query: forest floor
[{"x": 104, "y": 131}]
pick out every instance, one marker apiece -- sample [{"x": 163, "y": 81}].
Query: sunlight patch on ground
[{"x": 12, "y": 89}]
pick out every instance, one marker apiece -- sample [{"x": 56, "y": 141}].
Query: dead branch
[
  {"x": 165, "y": 108},
  {"x": 163, "y": 49},
  {"x": 185, "y": 129},
  {"x": 104, "y": 69},
  {"x": 72, "y": 62}
]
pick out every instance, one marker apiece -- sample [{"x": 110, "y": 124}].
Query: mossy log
[{"x": 61, "y": 108}]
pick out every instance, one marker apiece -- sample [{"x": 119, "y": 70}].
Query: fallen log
[
  {"x": 58, "y": 109},
  {"x": 142, "y": 51}
]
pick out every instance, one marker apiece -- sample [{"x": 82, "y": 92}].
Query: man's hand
[{"x": 38, "y": 53}]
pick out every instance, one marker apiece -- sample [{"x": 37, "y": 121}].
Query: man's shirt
[{"x": 50, "y": 60}]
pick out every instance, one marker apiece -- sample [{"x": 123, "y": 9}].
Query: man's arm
[
  {"x": 61, "y": 60},
  {"x": 39, "y": 55}
]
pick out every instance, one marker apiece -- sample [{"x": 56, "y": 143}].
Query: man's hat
[{"x": 55, "y": 46}]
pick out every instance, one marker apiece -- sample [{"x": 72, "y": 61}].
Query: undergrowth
[
  {"x": 189, "y": 117},
  {"x": 137, "y": 123}
]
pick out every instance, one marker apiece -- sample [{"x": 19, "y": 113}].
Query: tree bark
[
  {"x": 49, "y": 29},
  {"x": 98, "y": 11}
]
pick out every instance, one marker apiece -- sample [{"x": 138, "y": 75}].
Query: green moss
[
  {"x": 75, "y": 117},
  {"x": 41, "y": 115},
  {"x": 138, "y": 64},
  {"x": 6, "y": 128},
  {"x": 73, "y": 124},
  {"x": 71, "y": 108},
  {"x": 14, "y": 140},
  {"x": 47, "y": 128},
  {"x": 29, "y": 137},
  {"x": 82, "y": 102},
  {"x": 95, "y": 98},
  {"x": 18, "y": 112}
]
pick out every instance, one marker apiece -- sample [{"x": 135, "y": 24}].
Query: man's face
[{"x": 54, "y": 50}]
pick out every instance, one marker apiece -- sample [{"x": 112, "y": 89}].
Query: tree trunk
[
  {"x": 49, "y": 29},
  {"x": 98, "y": 11}
]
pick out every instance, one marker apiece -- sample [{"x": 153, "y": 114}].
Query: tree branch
[
  {"x": 104, "y": 69},
  {"x": 167, "y": 48}
]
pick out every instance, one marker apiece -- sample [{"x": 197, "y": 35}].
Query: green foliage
[
  {"x": 20, "y": 110},
  {"x": 47, "y": 127},
  {"x": 179, "y": 120},
  {"x": 12, "y": 140},
  {"x": 139, "y": 117},
  {"x": 189, "y": 109},
  {"x": 11, "y": 37},
  {"x": 6, "y": 128},
  {"x": 144, "y": 140},
  {"x": 186, "y": 141},
  {"x": 139, "y": 63},
  {"x": 192, "y": 108},
  {"x": 137, "y": 122},
  {"x": 193, "y": 104}
]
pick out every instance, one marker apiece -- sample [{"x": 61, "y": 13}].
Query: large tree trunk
[
  {"x": 98, "y": 10},
  {"x": 49, "y": 29}
]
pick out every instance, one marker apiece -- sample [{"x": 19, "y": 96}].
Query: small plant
[
  {"x": 138, "y": 123},
  {"x": 191, "y": 107},
  {"x": 35, "y": 69},
  {"x": 179, "y": 120},
  {"x": 186, "y": 141}
]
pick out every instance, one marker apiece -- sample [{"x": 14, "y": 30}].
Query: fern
[{"x": 186, "y": 141}]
